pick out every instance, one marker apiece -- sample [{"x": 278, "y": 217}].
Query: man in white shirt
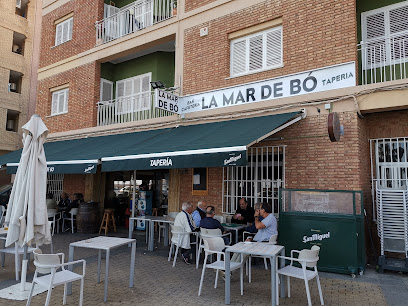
[{"x": 185, "y": 221}]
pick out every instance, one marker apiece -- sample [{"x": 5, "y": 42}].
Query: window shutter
[
  {"x": 238, "y": 57},
  {"x": 54, "y": 103},
  {"x": 58, "y": 35},
  {"x": 128, "y": 88},
  {"x": 256, "y": 52},
  {"x": 106, "y": 90},
  {"x": 375, "y": 26},
  {"x": 65, "y": 30},
  {"x": 71, "y": 26},
  {"x": 145, "y": 101},
  {"x": 61, "y": 101},
  {"x": 274, "y": 48},
  {"x": 120, "y": 89},
  {"x": 66, "y": 100}
]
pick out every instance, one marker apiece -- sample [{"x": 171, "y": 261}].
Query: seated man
[
  {"x": 50, "y": 202},
  {"x": 64, "y": 202},
  {"x": 210, "y": 223},
  {"x": 252, "y": 228},
  {"x": 244, "y": 213},
  {"x": 266, "y": 228},
  {"x": 185, "y": 221},
  {"x": 199, "y": 213}
]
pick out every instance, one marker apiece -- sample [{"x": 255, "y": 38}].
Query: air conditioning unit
[
  {"x": 13, "y": 87},
  {"x": 10, "y": 125},
  {"x": 18, "y": 4}
]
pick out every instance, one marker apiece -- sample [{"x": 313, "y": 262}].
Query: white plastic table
[
  {"x": 150, "y": 228},
  {"x": 104, "y": 243},
  {"x": 255, "y": 248},
  {"x": 234, "y": 227}
]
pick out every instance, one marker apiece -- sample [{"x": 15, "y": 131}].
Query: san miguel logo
[
  {"x": 316, "y": 237},
  {"x": 161, "y": 162},
  {"x": 232, "y": 159},
  {"x": 89, "y": 169}
]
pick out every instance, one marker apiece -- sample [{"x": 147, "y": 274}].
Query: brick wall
[
  {"x": 214, "y": 196},
  {"x": 84, "y": 84},
  {"x": 83, "y": 34},
  {"x": 193, "y": 4},
  {"x": 315, "y": 34},
  {"x": 74, "y": 183}
]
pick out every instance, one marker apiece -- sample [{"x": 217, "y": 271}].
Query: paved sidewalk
[{"x": 158, "y": 283}]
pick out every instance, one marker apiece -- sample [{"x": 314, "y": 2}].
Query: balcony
[
  {"x": 383, "y": 60},
  {"x": 128, "y": 109},
  {"x": 133, "y": 17}
]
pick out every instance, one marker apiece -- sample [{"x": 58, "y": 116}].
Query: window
[
  {"x": 133, "y": 94},
  {"x": 259, "y": 181},
  {"x": 59, "y": 103},
  {"x": 55, "y": 184},
  {"x": 12, "y": 121},
  {"x": 385, "y": 34},
  {"x": 63, "y": 31},
  {"x": 15, "y": 81},
  {"x": 200, "y": 181},
  {"x": 256, "y": 52}
]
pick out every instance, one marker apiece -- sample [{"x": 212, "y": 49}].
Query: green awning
[
  {"x": 217, "y": 144},
  {"x": 79, "y": 155}
]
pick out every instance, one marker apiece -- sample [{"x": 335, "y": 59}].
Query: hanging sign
[
  {"x": 166, "y": 101},
  {"x": 312, "y": 81}
]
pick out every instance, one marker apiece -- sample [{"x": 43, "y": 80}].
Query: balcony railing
[
  {"x": 133, "y": 17},
  {"x": 383, "y": 60},
  {"x": 127, "y": 109}
]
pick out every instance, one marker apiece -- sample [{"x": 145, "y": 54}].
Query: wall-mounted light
[{"x": 157, "y": 84}]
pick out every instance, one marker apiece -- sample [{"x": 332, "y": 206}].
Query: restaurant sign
[
  {"x": 166, "y": 101},
  {"x": 312, "y": 81}
]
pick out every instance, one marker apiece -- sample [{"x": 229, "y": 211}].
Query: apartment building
[
  {"x": 270, "y": 94},
  {"x": 17, "y": 24}
]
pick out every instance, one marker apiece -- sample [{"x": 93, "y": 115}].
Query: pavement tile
[{"x": 158, "y": 283}]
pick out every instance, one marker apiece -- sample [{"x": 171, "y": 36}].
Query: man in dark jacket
[
  {"x": 210, "y": 223},
  {"x": 244, "y": 213}
]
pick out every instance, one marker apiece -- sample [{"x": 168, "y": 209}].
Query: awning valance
[{"x": 216, "y": 144}]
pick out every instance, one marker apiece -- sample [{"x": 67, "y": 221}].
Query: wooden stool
[{"x": 109, "y": 219}]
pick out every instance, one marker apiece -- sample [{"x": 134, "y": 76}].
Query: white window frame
[
  {"x": 264, "y": 52},
  {"x": 55, "y": 98},
  {"x": 388, "y": 37},
  {"x": 257, "y": 181},
  {"x": 124, "y": 104},
  {"x": 60, "y": 27},
  {"x": 109, "y": 83},
  {"x": 55, "y": 185}
]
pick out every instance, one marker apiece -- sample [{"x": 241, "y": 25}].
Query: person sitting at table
[
  {"x": 64, "y": 202},
  {"x": 50, "y": 202},
  {"x": 244, "y": 213},
  {"x": 252, "y": 228},
  {"x": 185, "y": 221},
  {"x": 210, "y": 223},
  {"x": 266, "y": 228},
  {"x": 199, "y": 213}
]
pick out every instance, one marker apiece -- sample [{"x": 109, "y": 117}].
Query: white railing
[
  {"x": 127, "y": 109},
  {"x": 383, "y": 60},
  {"x": 133, "y": 17}
]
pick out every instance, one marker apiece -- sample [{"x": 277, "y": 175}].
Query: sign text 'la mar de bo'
[
  {"x": 322, "y": 79},
  {"x": 166, "y": 100}
]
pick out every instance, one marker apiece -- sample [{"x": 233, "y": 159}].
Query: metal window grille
[
  {"x": 55, "y": 184},
  {"x": 258, "y": 181},
  {"x": 389, "y": 164}
]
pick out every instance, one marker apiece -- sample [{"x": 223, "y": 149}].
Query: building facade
[
  {"x": 233, "y": 60},
  {"x": 17, "y": 28}
]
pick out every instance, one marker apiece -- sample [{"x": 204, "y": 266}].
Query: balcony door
[{"x": 133, "y": 94}]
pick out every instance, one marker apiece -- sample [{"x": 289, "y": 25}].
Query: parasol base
[{"x": 14, "y": 292}]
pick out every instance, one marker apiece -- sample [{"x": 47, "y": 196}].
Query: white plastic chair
[
  {"x": 208, "y": 233},
  {"x": 73, "y": 212},
  {"x": 221, "y": 219},
  {"x": 53, "y": 266},
  {"x": 173, "y": 214},
  {"x": 16, "y": 251},
  {"x": 272, "y": 240},
  {"x": 55, "y": 217},
  {"x": 307, "y": 259},
  {"x": 178, "y": 232},
  {"x": 216, "y": 246}
]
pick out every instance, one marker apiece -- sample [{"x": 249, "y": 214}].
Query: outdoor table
[
  {"x": 104, "y": 243},
  {"x": 150, "y": 226},
  {"x": 234, "y": 227},
  {"x": 255, "y": 248}
]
